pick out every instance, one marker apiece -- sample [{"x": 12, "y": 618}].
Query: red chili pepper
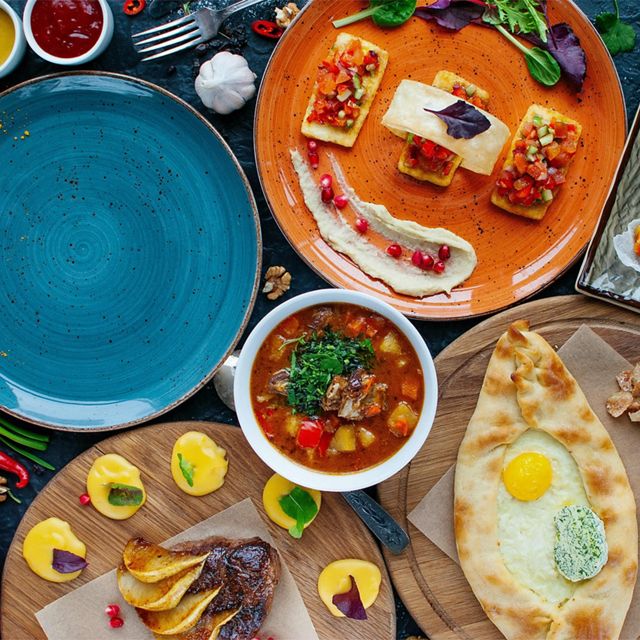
[
  {"x": 323, "y": 445},
  {"x": 134, "y": 7},
  {"x": 7, "y": 463},
  {"x": 267, "y": 29},
  {"x": 309, "y": 434}
]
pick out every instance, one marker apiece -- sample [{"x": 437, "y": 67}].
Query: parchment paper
[
  {"x": 594, "y": 364},
  {"x": 79, "y": 615}
]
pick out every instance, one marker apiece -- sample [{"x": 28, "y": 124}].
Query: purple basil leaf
[
  {"x": 67, "y": 562},
  {"x": 451, "y": 14},
  {"x": 462, "y": 120},
  {"x": 564, "y": 45},
  {"x": 350, "y": 603}
]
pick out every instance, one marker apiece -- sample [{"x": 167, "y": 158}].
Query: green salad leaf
[
  {"x": 385, "y": 13},
  {"x": 619, "y": 36},
  {"x": 521, "y": 16},
  {"x": 299, "y": 505},
  {"x": 187, "y": 469},
  {"x": 314, "y": 362},
  {"x": 124, "y": 495}
]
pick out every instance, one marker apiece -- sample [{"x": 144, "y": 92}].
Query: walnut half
[
  {"x": 277, "y": 282},
  {"x": 285, "y": 15}
]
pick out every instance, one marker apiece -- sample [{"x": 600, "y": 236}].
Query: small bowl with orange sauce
[
  {"x": 68, "y": 32},
  {"x": 12, "y": 41}
]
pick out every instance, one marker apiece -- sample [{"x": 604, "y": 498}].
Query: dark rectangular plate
[{"x": 603, "y": 275}]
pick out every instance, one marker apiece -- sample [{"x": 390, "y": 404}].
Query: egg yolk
[
  {"x": 528, "y": 476},
  {"x": 198, "y": 464},
  {"x": 42, "y": 539}
]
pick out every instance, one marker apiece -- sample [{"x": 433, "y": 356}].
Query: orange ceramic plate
[{"x": 516, "y": 257}]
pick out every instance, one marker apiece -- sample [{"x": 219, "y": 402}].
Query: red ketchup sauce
[{"x": 66, "y": 28}]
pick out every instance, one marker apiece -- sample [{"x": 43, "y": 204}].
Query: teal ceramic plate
[{"x": 130, "y": 248}]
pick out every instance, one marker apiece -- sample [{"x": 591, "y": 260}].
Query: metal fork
[{"x": 186, "y": 32}]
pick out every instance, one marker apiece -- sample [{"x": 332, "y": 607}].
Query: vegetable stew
[{"x": 337, "y": 388}]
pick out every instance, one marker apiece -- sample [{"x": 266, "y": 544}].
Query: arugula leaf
[
  {"x": 318, "y": 358},
  {"x": 124, "y": 495},
  {"x": 619, "y": 36},
  {"x": 462, "y": 119},
  {"x": 299, "y": 505},
  {"x": 187, "y": 469},
  {"x": 521, "y": 16}
]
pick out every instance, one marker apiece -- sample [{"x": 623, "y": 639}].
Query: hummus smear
[{"x": 402, "y": 275}]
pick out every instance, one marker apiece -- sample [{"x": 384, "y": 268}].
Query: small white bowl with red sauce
[
  {"x": 250, "y": 379},
  {"x": 68, "y": 32}
]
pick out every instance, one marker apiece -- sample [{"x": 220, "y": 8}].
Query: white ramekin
[
  {"x": 287, "y": 467},
  {"x": 19, "y": 43},
  {"x": 102, "y": 43}
]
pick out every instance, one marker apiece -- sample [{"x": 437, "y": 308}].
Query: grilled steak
[{"x": 249, "y": 571}]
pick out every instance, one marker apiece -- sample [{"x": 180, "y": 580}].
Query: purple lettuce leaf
[
  {"x": 564, "y": 45},
  {"x": 452, "y": 14},
  {"x": 350, "y": 603},
  {"x": 67, "y": 562},
  {"x": 462, "y": 120}
]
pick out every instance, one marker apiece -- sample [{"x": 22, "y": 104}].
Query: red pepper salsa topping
[
  {"x": 540, "y": 158},
  {"x": 340, "y": 88},
  {"x": 67, "y": 28},
  {"x": 429, "y": 156}
]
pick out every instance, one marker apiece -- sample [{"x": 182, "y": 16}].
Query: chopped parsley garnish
[{"x": 317, "y": 359}]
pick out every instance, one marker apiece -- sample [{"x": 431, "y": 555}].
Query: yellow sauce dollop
[
  {"x": 205, "y": 463},
  {"x": 7, "y": 36},
  {"x": 277, "y": 487},
  {"x": 108, "y": 469},
  {"x": 42, "y": 539},
  {"x": 335, "y": 579}
]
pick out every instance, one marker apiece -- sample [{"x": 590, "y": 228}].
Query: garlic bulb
[{"x": 225, "y": 83}]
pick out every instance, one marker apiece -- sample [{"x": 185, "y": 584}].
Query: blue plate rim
[{"x": 259, "y": 248}]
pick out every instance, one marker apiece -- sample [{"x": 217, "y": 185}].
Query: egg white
[{"x": 526, "y": 531}]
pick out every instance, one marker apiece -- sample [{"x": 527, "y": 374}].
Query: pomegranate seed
[
  {"x": 417, "y": 258},
  {"x": 427, "y": 262},
  {"x": 314, "y": 159},
  {"x": 84, "y": 499},
  {"x": 394, "y": 250},
  {"x": 326, "y": 194},
  {"x": 116, "y": 623},
  {"x": 361, "y": 225},
  {"x": 312, "y": 146},
  {"x": 438, "y": 266},
  {"x": 444, "y": 253},
  {"x": 341, "y": 202},
  {"x": 112, "y": 610},
  {"x": 326, "y": 180}
]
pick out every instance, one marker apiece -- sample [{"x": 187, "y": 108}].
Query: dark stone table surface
[{"x": 176, "y": 74}]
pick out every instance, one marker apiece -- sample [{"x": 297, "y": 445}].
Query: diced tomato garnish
[
  {"x": 527, "y": 129},
  {"x": 537, "y": 170},
  {"x": 560, "y": 129},
  {"x": 428, "y": 149},
  {"x": 310, "y": 433},
  {"x": 520, "y": 145},
  {"x": 446, "y": 170},
  {"x": 521, "y": 163},
  {"x": 569, "y": 146},
  {"x": 561, "y": 160},
  {"x": 459, "y": 91},
  {"x": 551, "y": 150}
]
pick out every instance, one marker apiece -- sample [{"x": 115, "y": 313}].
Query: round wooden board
[
  {"x": 430, "y": 584},
  {"x": 516, "y": 257},
  {"x": 168, "y": 511}
]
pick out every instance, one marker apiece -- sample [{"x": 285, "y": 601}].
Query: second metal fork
[{"x": 185, "y": 32}]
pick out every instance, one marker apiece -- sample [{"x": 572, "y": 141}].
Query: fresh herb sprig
[
  {"x": 619, "y": 36},
  {"x": 299, "y": 505},
  {"x": 187, "y": 469},
  {"x": 318, "y": 358},
  {"x": 521, "y": 16}
]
